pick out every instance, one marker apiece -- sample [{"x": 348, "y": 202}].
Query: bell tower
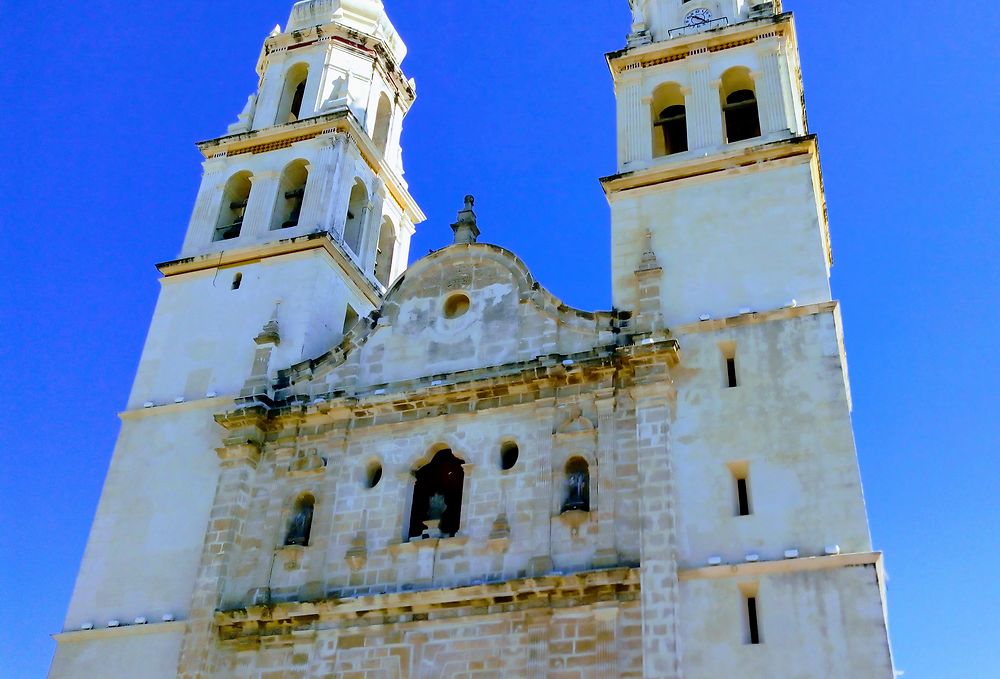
[
  {"x": 303, "y": 201},
  {"x": 720, "y": 241},
  {"x": 715, "y": 161},
  {"x": 302, "y": 222}
]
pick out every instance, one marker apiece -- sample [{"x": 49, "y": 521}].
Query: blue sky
[{"x": 104, "y": 100}]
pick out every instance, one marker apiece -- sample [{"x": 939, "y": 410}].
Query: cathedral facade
[{"x": 333, "y": 464}]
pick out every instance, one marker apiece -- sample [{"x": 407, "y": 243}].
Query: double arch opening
[{"x": 739, "y": 107}]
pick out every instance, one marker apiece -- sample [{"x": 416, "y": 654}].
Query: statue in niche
[
  {"x": 299, "y": 529},
  {"x": 577, "y": 487}
]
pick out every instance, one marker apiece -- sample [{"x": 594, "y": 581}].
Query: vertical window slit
[
  {"x": 752, "y": 620},
  {"x": 743, "y": 497}
]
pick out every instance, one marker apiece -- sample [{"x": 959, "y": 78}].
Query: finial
[
  {"x": 270, "y": 333},
  {"x": 466, "y": 229},
  {"x": 648, "y": 261}
]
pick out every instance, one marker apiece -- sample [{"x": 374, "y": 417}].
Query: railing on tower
[{"x": 721, "y": 22}]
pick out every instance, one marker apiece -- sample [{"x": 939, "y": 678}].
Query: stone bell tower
[
  {"x": 302, "y": 221},
  {"x": 719, "y": 232}
]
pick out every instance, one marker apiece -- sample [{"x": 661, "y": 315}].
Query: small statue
[
  {"x": 298, "y": 532},
  {"x": 577, "y": 492},
  {"x": 436, "y": 508},
  {"x": 245, "y": 119},
  {"x": 638, "y": 11}
]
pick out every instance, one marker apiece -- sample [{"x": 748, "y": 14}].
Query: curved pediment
[{"x": 463, "y": 308}]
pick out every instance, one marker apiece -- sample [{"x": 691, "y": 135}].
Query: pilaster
[
  {"x": 607, "y": 555},
  {"x": 270, "y": 91},
  {"x": 606, "y": 617},
  {"x": 774, "y": 115},
  {"x": 541, "y": 502},
  {"x": 537, "y": 625},
  {"x": 239, "y": 460},
  {"x": 371, "y": 228},
  {"x": 658, "y": 536},
  {"x": 704, "y": 107},
  {"x": 260, "y": 206},
  {"x": 207, "y": 205},
  {"x": 632, "y": 124}
]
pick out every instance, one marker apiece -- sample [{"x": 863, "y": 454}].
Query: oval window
[
  {"x": 508, "y": 455},
  {"x": 456, "y": 305},
  {"x": 374, "y": 475}
]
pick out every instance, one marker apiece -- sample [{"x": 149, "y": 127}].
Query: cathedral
[{"x": 334, "y": 463}]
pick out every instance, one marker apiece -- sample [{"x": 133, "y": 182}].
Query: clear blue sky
[{"x": 103, "y": 101}]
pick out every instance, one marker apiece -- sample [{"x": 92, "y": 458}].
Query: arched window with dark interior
[
  {"x": 293, "y": 95},
  {"x": 235, "y": 197},
  {"x": 670, "y": 133},
  {"x": 437, "y": 497},
  {"x": 383, "y": 118},
  {"x": 577, "y": 481},
  {"x": 386, "y": 248},
  {"x": 291, "y": 191},
  {"x": 300, "y": 524},
  {"x": 739, "y": 105},
  {"x": 356, "y": 210}
]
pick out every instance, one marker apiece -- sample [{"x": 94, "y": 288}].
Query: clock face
[{"x": 697, "y": 17}]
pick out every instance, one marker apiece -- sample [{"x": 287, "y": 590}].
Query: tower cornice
[
  {"x": 685, "y": 47},
  {"x": 322, "y": 240}
]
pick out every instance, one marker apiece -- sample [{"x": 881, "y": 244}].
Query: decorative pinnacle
[
  {"x": 270, "y": 333},
  {"x": 466, "y": 229},
  {"x": 648, "y": 262}
]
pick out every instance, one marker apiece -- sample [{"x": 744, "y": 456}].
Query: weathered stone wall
[{"x": 574, "y": 643}]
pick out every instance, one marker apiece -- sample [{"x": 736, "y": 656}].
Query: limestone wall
[{"x": 788, "y": 422}]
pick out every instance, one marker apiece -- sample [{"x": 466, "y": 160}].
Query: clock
[{"x": 698, "y": 17}]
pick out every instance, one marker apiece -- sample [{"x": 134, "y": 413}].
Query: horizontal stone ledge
[
  {"x": 77, "y": 636},
  {"x": 783, "y": 566},
  {"x": 423, "y": 601}
]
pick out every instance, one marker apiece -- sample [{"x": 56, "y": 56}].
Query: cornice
[
  {"x": 756, "y": 318},
  {"x": 729, "y": 159},
  {"x": 321, "y": 240},
  {"x": 77, "y": 636},
  {"x": 717, "y": 40},
  {"x": 762, "y": 568},
  {"x": 462, "y": 392},
  {"x": 527, "y": 595}
]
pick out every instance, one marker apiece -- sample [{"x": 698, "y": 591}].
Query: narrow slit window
[
  {"x": 731, "y": 372},
  {"x": 742, "y": 497},
  {"x": 237, "y": 281},
  {"x": 752, "y": 624},
  {"x": 740, "y": 472}
]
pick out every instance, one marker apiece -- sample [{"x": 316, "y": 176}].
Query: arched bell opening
[
  {"x": 235, "y": 197},
  {"x": 670, "y": 134},
  {"x": 436, "y": 510},
  {"x": 293, "y": 95},
  {"x": 291, "y": 193},
  {"x": 356, "y": 209},
  {"x": 739, "y": 105}
]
